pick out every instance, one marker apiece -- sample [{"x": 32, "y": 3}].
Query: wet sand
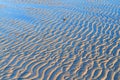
[{"x": 59, "y": 40}]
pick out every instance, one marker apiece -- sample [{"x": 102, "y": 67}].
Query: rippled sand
[{"x": 59, "y": 40}]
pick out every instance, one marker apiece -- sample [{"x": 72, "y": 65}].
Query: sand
[{"x": 59, "y": 40}]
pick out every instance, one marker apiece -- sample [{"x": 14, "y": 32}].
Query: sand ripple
[{"x": 59, "y": 40}]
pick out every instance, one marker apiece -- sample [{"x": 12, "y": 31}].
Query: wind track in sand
[{"x": 59, "y": 40}]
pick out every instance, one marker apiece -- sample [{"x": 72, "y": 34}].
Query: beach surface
[{"x": 59, "y": 40}]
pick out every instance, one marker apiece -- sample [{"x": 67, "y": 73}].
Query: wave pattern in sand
[{"x": 59, "y": 40}]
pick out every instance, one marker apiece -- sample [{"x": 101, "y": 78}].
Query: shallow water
[{"x": 59, "y": 40}]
